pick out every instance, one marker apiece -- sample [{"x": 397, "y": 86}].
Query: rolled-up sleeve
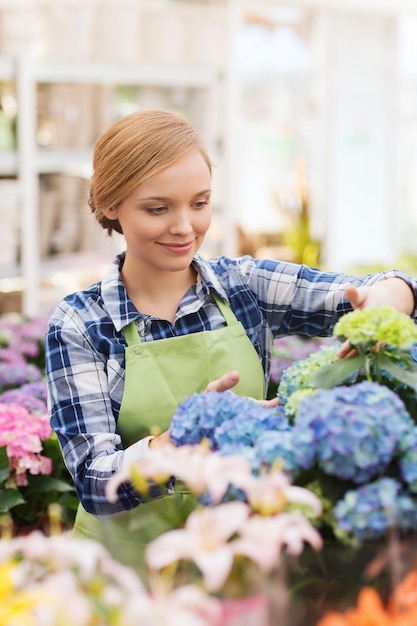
[{"x": 82, "y": 415}]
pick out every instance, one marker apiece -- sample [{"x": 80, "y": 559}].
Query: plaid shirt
[{"x": 85, "y": 348}]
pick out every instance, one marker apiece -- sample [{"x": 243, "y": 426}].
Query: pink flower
[
  {"x": 195, "y": 465},
  {"x": 261, "y": 539},
  {"x": 63, "y": 580},
  {"x": 34, "y": 464},
  {"x": 271, "y": 492},
  {"x": 23, "y": 433},
  {"x": 187, "y": 606},
  {"x": 206, "y": 471},
  {"x": 204, "y": 540}
]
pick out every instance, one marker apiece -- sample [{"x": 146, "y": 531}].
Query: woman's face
[{"x": 165, "y": 219}]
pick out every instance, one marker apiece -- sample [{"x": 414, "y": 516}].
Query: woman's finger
[{"x": 228, "y": 381}]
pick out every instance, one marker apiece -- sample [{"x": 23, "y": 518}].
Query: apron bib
[{"x": 159, "y": 375}]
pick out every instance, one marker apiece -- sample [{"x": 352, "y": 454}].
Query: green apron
[{"x": 159, "y": 375}]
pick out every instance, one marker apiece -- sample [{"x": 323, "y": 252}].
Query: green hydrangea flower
[
  {"x": 377, "y": 325},
  {"x": 299, "y": 375},
  {"x": 293, "y": 402}
]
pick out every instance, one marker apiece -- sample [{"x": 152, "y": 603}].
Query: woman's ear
[{"x": 111, "y": 213}]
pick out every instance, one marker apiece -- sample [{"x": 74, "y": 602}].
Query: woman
[{"x": 164, "y": 323}]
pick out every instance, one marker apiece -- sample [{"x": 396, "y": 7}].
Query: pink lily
[
  {"x": 157, "y": 465},
  {"x": 270, "y": 493},
  {"x": 195, "y": 465},
  {"x": 204, "y": 540},
  {"x": 262, "y": 538},
  {"x": 203, "y": 470},
  {"x": 188, "y": 606}
]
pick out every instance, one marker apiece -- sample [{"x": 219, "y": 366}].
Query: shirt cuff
[{"x": 137, "y": 450}]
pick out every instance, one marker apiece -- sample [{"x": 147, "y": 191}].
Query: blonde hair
[{"x": 132, "y": 150}]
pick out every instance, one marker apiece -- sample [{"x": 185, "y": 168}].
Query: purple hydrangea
[
  {"x": 286, "y": 350},
  {"x": 351, "y": 432},
  {"x": 369, "y": 511},
  {"x": 18, "y": 374},
  {"x": 32, "y": 396},
  {"x": 37, "y": 389},
  {"x": 23, "y": 336},
  {"x": 12, "y": 356},
  {"x": 31, "y": 404}
]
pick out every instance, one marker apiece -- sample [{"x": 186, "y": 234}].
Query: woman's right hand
[
  {"x": 229, "y": 380},
  {"x": 224, "y": 383},
  {"x": 160, "y": 440}
]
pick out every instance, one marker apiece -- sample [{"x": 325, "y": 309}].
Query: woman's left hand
[{"x": 393, "y": 292}]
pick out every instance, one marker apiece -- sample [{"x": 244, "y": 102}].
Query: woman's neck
[{"x": 159, "y": 295}]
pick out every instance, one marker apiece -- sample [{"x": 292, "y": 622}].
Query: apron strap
[
  {"x": 131, "y": 333},
  {"x": 132, "y": 336},
  {"x": 224, "y": 309}
]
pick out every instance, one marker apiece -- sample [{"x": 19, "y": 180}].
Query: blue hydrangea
[
  {"x": 408, "y": 460},
  {"x": 351, "y": 432},
  {"x": 247, "y": 452},
  {"x": 369, "y": 511},
  {"x": 275, "y": 446},
  {"x": 247, "y": 427},
  {"x": 201, "y": 414},
  {"x": 298, "y": 376}
]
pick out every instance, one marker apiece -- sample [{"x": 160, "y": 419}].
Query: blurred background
[{"x": 308, "y": 109}]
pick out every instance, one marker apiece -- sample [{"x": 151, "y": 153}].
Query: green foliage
[
  {"x": 29, "y": 503},
  {"x": 9, "y": 499},
  {"x": 382, "y": 338}
]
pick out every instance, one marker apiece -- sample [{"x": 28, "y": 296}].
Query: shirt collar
[
  {"x": 120, "y": 307},
  {"x": 207, "y": 278},
  {"x": 115, "y": 298}
]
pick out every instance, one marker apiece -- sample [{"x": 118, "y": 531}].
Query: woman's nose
[{"x": 181, "y": 222}]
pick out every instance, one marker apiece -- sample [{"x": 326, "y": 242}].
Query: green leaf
[
  {"x": 404, "y": 376},
  {"x": 9, "y": 498},
  {"x": 333, "y": 374},
  {"x": 48, "y": 483},
  {"x": 4, "y": 464}
]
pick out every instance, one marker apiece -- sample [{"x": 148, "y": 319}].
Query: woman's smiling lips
[{"x": 178, "y": 248}]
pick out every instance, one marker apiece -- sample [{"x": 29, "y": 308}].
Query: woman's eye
[
  {"x": 156, "y": 210},
  {"x": 200, "y": 204}
]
